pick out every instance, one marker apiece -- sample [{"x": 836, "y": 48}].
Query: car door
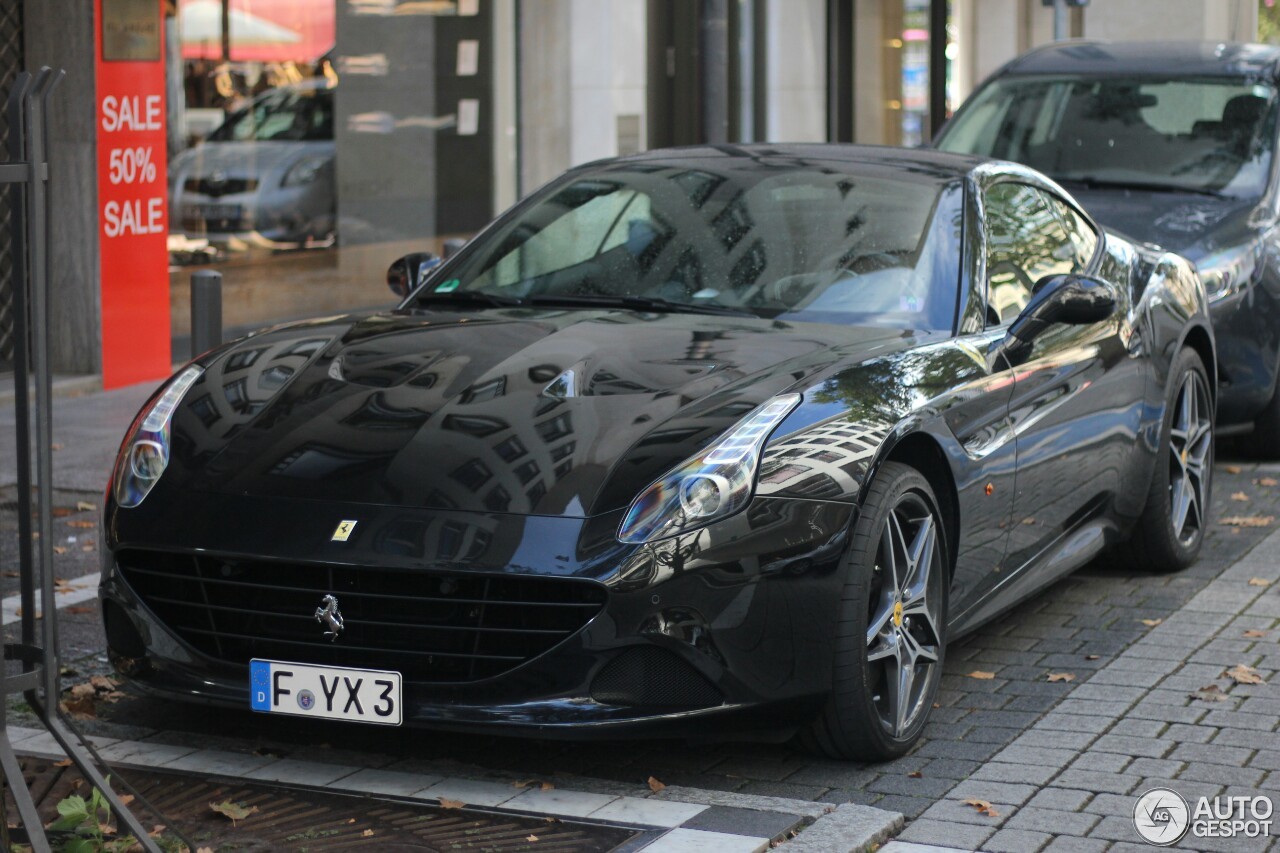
[{"x": 1077, "y": 395}]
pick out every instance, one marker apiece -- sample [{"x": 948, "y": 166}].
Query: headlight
[
  {"x": 712, "y": 485},
  {"x": 145, "y": 452},
  {"x": 304, "y": 171},
  {"x": 1227, "y": 272}
]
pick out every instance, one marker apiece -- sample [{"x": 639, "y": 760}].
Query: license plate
[
  {"x": 331, "y": 692},
  {"x": 217, "y": 211}
]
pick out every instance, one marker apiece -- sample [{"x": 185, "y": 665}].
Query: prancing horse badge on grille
[
  {"x": 343, "y": 533},
  {"x": 330, "y": 616}
]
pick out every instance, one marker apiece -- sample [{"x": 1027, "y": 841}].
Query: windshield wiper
[
  {"x": 637, "y": 303},
  {"x": 1092, "y": 183},
  {"x": 469, "y": 297}
]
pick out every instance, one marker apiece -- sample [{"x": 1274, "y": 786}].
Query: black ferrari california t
[
  {"x": 712, "y": 439},
  {"x": 1171, "y": 143}
]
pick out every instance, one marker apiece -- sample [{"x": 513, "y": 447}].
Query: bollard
[{"x": 206, "y": 311}]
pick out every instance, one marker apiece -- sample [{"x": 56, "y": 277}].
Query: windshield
[
  {"x": 800, "y": 242},
  {"x": 304, "y": 115},
  {"x": 1213, "y": 135}
]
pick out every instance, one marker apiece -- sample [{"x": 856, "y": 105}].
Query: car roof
[
  {"x": 1172, "y": 58},
  {"x": 925, "y": 162}
]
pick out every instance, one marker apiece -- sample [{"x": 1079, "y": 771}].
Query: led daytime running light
[{"x": 158, "y": 418}]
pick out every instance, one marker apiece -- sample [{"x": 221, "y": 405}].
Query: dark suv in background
[{"x": 1170, "y": 143}]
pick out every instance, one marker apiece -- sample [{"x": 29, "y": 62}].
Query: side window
[{"x": 1029, "y": 235}]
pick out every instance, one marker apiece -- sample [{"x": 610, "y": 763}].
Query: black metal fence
[{"x": 10, "y": 63}]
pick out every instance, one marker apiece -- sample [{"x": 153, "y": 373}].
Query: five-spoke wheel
[{"x": 891, "y": 638}]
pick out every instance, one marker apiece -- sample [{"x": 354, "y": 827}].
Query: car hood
[
  {"x": 244, "y": 158},
  {"x": 509, "y": 410},
  {"x": 1193, "y": 226}
]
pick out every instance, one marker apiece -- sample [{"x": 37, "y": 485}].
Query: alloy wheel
[
  {"x": 904, "y": 628},
  {"x": 1190, "y": 446}
]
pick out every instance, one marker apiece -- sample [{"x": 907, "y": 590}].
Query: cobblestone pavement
[{"x": 1069, "y": 751}]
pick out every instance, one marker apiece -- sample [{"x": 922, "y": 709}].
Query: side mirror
[
  {"x": 1074, "y": 300},
  {"x": 406, "y": 273}
]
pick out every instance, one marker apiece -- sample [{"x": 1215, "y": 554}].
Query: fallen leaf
[
  {"x": 351, "y": 820},
  {"x": 915, "y": 774},
  {"x": 655, "y": 785},
  {"x": 11, "y": 574},
  {"x": 532, "y": 838},
  {"x": 1266, "y": 481},
  {"x": 1061, "y": 676},
  {"x": 125, "y": 799},
  {"x": 1254, "y": 632},
  {"x": 1028, "y": 521},
  {"x": 55, "y": 446},
  {"x": 1242, "y": 674},
  {"x": 1232, "y": 469},
  {"x": 88, "y": 548},
  {"x": 61, "y": 511},
  {"x": 59, "y": 550},
  {"x": 982, "y": 676},
  {"x": 1248, "y": 520},
  {"x": 85, "y": 506},
  {"x": 66, "y": 762},
  {"x": 103, "y": 682},
  {"x": 1091, "y": 657},
  {"x": 1239, "y": 496},
  {"x": 529, "y": 783},
  {"x": 1209, "y": 693},
  {"x": 158, "y": 829},
  {"x": 446, "y": 803},
  {"x": 234, "y": 811},
  {"x": 83, "y": 524},
  {"x": 368, "y": 833},
  {"x": 1151, "y": 623},
  {"x": 80, "y": 609},
  {"x": 1259, "y": 582},
  {"x": 983, "y": 807}
]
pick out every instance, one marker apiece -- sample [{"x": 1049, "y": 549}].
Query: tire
[
  {"x": 1183, "y": 476},
  {"x": 879, "y": 625}
]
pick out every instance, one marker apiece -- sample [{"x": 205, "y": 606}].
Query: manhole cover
[{"x": 304, "y": 820}]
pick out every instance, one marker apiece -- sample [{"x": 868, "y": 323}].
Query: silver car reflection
[{"x": 265, "y": 175}]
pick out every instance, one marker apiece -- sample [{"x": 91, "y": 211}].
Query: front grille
[
  {"x": 218, "y": 188},
  {"x": 431, "y": 626}
]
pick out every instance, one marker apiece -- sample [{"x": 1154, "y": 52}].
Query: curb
[{"x": 63, "y": 386}]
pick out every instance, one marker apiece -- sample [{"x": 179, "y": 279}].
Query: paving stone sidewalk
[{"x": 1070, "y": 781}]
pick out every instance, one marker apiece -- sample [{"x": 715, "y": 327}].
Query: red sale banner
[{"x": 132, "y": 207}]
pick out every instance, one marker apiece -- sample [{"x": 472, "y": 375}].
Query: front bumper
[{"x": 746, "y": 607}]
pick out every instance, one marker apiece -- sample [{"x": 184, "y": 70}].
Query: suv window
[
  {"x": 1030, "y": 234},
  {"x": 1212, "y": 135}
]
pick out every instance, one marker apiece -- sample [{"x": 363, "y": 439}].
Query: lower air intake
[{"x": 653, "y": 677}]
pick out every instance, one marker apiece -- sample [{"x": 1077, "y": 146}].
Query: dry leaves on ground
[
  {"x": 1248, "y": 520},
  {"x": 234, "y": 811},
  {"x": 915, "y": 774},
  {"x": 532, "y": 838},
  {"x": 1061, "y": 676},
  {"x": 1259, "y": 582},
  {"x": 1239, "y": 496},
  {"x": 1151, "y": 623},
  {"x": 1242, "y": 674},
  {"x": 1266, "y": 481},
  {"x": 531, "y": 783},
  {"x": 83, "y": 524},
  {"x": 66, "y": 762},
  {"x": 982, "y": 676},
  {"x": 368, "y": 833},
  {"x": 1255, "y": 632},
  {"x": 655, "y": 785},
  {"x": 1092, "y": 657},
  {"x": 1209, "y": 693},
  {"x": 446, "y": 803},
  {"x": 982, "y": 807},
  {"x": 1231, "y": 469},
  {"x": 59, "y": 550},
  {"x": 85, "y": 506}
]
